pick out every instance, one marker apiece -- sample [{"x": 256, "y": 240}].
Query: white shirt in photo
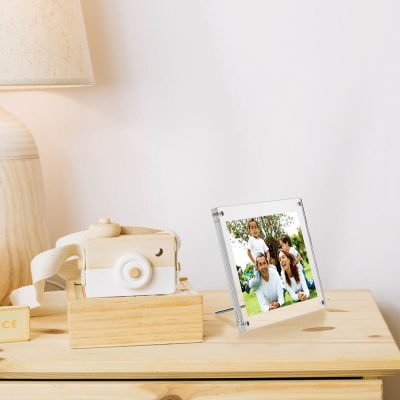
[
  {"x": 270, "y": 291},
  {"x": 257, "y": 245},
  {"x": 295, "y": 253},
  {"x": 294, "y": 286}
]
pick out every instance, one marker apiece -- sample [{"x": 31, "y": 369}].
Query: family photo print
[{"x": 269, "y": 260}]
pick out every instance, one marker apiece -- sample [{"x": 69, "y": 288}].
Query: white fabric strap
[{"x": 44, "y": 266}]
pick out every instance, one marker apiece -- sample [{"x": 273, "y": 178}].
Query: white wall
[{"x": 207, "y": 103}]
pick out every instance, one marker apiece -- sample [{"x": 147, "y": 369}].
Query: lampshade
[{"x": 43, "y": 43}]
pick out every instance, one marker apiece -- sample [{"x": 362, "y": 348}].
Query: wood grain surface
[
  {"x": 23, "y": 229},
  {"x": 134, "y": 320},
  {"x": 358, "y": 345},
  {"x": 240, "y": 390}
]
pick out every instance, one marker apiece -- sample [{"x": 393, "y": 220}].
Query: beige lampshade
[{"x": 43, "y": 43}]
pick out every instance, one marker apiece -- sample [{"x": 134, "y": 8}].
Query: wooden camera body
[
  {"x": 123, "y": 268},
  {"x": 128, "y": 261}
]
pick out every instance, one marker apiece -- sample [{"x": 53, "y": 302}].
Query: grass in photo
[{"x": 271, "y": 260}]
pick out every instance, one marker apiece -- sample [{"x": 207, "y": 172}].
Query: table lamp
[{"x": 43, "y": 44}]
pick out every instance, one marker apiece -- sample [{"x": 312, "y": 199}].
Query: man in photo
[{"x": 270, "y": 291}]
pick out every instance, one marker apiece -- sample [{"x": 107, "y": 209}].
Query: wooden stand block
[
  {"x": 14, "y": 324},
  {"x": 137, "y": 320}
]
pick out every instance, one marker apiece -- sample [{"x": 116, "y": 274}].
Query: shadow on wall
[
  {"x": 390, "y": 313},
  {"x": 108, "y": 61},
  {"x": 108, "y": 49},
  {"x": 391, "y": 385},
  {"x": 100, "y": 39}
]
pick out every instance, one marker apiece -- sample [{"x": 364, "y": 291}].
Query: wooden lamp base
[
  {"x": 23, "y": 231},
  {"x": 135, "y": 320}
]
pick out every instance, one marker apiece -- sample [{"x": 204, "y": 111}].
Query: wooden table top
[{"x": 349, "y": 338}]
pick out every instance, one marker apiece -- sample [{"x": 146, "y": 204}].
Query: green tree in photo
[
  {"x": 249, "y": 270},
  {"x": 298, "y": 243},
  {"x": 272, "y": 227}
]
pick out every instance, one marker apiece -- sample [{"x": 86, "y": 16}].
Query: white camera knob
[{"x": 133, "y": 271}]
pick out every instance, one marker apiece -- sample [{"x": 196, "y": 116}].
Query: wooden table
[{"x": 338, "y": 353}]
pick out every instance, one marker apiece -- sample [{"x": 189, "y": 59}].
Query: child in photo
[
  {"x": 256, "y": 245},
  {"x": 286, "y": 245}
]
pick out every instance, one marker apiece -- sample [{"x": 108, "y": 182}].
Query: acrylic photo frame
[{"x": 264, "y": 304}]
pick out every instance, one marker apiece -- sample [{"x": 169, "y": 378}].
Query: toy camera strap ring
[{"x": 64, "y": 261}]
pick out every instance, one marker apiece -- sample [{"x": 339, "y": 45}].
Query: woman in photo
[{"x": 293, "y": 277}]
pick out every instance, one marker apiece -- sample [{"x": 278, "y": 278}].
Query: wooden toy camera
[{"x": 128, "y": 261}]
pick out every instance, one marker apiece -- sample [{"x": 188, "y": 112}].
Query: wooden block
[
  {"x": 136, "y": 320},
  {"x": 14, "y": 324}
]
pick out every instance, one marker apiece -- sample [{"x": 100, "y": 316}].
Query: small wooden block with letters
[
  {"x": 14, "y": 324},
  {"x": 134, "y": 320}
]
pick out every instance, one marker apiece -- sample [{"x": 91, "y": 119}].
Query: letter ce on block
[{"x": 14, "y": 324}]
